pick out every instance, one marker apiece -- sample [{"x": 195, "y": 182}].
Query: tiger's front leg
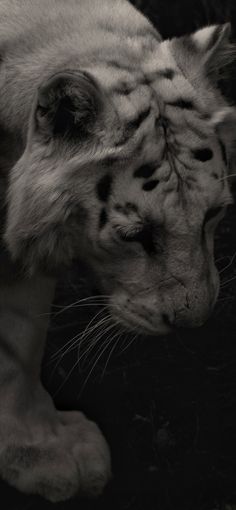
[{"x": 42, "y": 451}]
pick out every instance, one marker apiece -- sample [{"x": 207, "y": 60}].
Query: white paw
[{"x": 72, "y": 459}]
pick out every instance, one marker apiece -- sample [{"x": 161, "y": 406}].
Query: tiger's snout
[{"x": 163, "y": 311}]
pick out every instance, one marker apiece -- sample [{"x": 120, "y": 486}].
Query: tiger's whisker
[
  {"x": 95, "y": 363},
  {"x": 227, "y": 282},
  {"x": 229, "y": 264},
  {"x": 119, "y": 334},
  {"x": 76, "y": 337}
]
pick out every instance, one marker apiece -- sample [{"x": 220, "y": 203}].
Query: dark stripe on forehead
[
  {"x": 167, "y": 73},
  {"x": 130, "y": 127},
  {"x": 150, "y": 185},
  {"x": 123, "y": 88},
  {"x": 145, "y": 171},
  {"x": 161, "y": 122},
  {"x": 182, "y": 103},
  {"x": 119, "y": 65},
  {"x": 104, "y": 187},
  {"x": 136, "y": 123}
]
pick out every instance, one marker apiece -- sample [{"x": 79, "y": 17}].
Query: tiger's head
[{"x": 126, "y": 166}]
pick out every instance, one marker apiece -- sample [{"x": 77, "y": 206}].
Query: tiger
[{"x": 115, "y": 148}]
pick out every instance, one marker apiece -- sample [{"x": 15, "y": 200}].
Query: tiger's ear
[
  {"x": 68, "y": 105},
  {"x": 213, "y": 45},
  {"x": 208, "y": 39},
  {"x": 208, "y": 50}
]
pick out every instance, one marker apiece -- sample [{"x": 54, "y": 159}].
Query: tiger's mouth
[{"x": 135, "y": 323}]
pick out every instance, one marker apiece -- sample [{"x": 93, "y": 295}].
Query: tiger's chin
[{"x": 135, "y": 324}]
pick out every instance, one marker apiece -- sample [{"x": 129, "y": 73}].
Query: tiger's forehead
[
  {"x": 153, "y": 84},
  {"x": 159, "y": 108},
  {"x": 148, "y": 73}
]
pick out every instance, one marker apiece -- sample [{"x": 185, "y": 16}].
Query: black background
[{"x": 166, "y": 406}]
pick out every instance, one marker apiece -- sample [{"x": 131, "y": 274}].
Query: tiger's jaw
[{"x": 142, "y": 323}]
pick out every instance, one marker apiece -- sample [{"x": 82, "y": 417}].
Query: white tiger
[{"x": 115, "y": 147}]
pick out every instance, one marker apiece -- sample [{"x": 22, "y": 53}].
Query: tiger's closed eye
[
  {"x": 135, "y": 237},
  {"x": 143, "y": 237}
]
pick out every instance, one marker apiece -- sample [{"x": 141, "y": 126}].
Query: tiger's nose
[
  {"x": 187, "y": 317},
  {"x": 191, "y": 319}
]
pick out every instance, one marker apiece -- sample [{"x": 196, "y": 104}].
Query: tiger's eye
[{"x": 145, "y": 237}]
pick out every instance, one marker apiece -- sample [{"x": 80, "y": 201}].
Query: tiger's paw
[{"x": 71, "y": 459}]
